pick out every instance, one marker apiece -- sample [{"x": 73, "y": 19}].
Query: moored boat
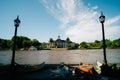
[
  {"x": 84, "y": 68},
  {"x": 88, "y": 70},
  {"x": 28, "y": 68}
]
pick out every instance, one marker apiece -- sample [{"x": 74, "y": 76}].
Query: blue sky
[{"x": 45, "y": 19}]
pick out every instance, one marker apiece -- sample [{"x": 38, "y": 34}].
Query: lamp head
[
  {"x": 17, "y": 22},
  {"x": 102, "y": 18}
]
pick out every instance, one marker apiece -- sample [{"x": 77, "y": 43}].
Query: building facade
[{"x": 59, "y": 43}]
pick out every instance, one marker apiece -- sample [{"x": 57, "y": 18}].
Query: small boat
[
  {"x": 28, "y": 68},
  {"x": 85, "y": 74},
  {"x": 85, "y": 68}
]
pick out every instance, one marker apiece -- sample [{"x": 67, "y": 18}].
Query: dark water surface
[{"x": 57, "y": 56}]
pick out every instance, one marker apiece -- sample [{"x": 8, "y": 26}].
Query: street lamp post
[
  {"x": 102, "y": 20},
  {"x": 16, "y": 24}
]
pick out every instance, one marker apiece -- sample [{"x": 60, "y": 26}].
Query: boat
[
  {"x": 28, "y": 68},
  {"x": 88, "y": 70},
  {"x": 86, "y": 74}
]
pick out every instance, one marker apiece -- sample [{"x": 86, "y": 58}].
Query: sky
[{"x": 45, "y": 19}]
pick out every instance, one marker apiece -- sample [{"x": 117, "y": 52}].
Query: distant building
[{"x": 59, "y": 43}]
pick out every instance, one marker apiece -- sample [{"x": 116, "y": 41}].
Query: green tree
[
  {"x": 51, "y": 41},
  {"x": 68, "y": 43},
  {"x": 21, "y": 41},
  {"x": 84, "y": 45},
  {"x": 76, "y": 45},
  {"x": 108, "y": 43},
  {"x": 97, "y": 44},
  {"x": 26, "y": 44},
  {"x": 116, "y": 43},
  {"x": 35, "y": 42},
  {"x": 44, "y": 45},
  {"x": 68, "y": 40},
  {"x": 4, "y": 44}
]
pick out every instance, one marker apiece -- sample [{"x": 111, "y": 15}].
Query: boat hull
[{"x": 28, "y": 68}]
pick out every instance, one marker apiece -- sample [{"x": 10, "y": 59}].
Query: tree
[
  {"x": 4, "y": 44},
  {"x": 116, "y": 43},
  {"x": 108, "y": 43},
  {"x": 83, "y": 45},
  {"x": 44, "y": 45},
  {"x": 21, "y": 41},
  {"x": 96, "y": 41},
  {"x": 76, "y": 45},
  {"x": 26, "y": 43},
  {"x": 35, "y": 42},
  {"x": 51, "y": 41},
  {"x": 68, "y": 40},
  {"x": 68, "y": 43},
  {"x": 97, "y": 44}
]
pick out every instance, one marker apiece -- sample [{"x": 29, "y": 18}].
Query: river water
[{"x": 57, "y": 56}]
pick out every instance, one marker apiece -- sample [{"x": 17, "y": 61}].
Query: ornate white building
[{"x": 58, "y": 43}]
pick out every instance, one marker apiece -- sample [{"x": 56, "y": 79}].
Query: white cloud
[
  {"x": 113, "y": 20},
  {"x": 95, "y": 7},
  {"x": 79, "y": 21}
]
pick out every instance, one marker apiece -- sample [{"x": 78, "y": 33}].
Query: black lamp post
[
  {"x": 16, "y": 24},
  {"x": 102, "y": 20}
]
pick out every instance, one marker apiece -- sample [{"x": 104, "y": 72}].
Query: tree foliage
[
  {"x": 84, "y": 45},
  {"x": 5, "y": 44},
  {"x": 25, "y": 42},
  {"x": 98, "y": 44},
  {"x": 44, "y": 45},
  {"x": 21, "y": 42},
  {"x": 35, "y": 42}
]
